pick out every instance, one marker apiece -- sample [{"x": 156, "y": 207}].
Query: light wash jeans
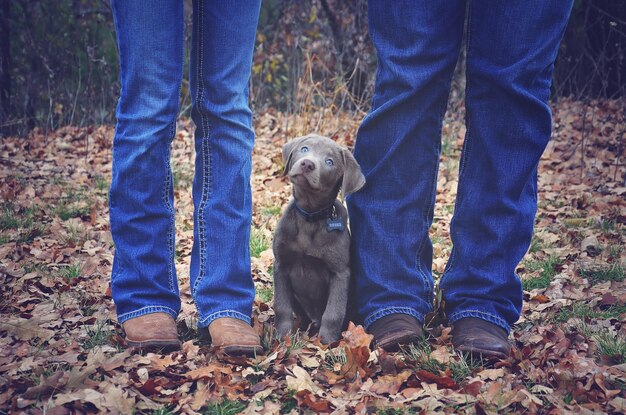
[
  {"x": 150, "y": 39},
  {"x": 511, "y": 48}
]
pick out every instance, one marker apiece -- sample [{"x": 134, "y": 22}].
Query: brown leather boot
[
  {"x": 395, "y": 330},
  {"x": 477, "y": 336},
  {"x": 154, "y": 331},
  {"x": 235, "y": 337}
]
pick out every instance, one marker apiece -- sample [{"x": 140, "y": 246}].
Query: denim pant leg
[
  {"x": 512, "y": 46},
  {"x": 150, "y": 40},
  {"x": 398, "y": 146},
  {"x": 221, "y": 60}
]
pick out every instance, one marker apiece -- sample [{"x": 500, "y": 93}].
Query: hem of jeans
[
  {"x": 206, "y": 321},
  {"x": 378, "y": 314},
  {"x": 147, "y": 310},
  {"x": 483, "y": 315}
]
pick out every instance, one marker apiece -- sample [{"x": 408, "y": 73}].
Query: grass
[
  {"x": 615, "y": 251},
  {"x": 70, "y": 210},
  {"x": 395, "y": 411},
  {"x": 10, "y": 220},
  {"x": 460, "y": 369},
  {"x": 602, "y": 273},
  {"x": 585, "y": 311},
  {"x": 296, "y": 342},
  {"x": 611, "y": 346},
  {"x": 288, "y": 403},
  {"x": 548, "y": 269},
  {"x": 271, "y": 211},
  {"x": 266, "y": 293},
  {"x": 23, "y": 221},
  {"x": 258, "y": 242},
  {"x": 225, "y": 408},
  {"x": 420, "y": 354},
  {"x": 97, "y": 335},
  {"x": 102, "y": 185},
  {"x": 335, "y": 359},
  {"x": 76, "y": 234},
  {"x": 465, "y": 366},
  {"x": 181, "y": 179},
  {"x": 31, "y": 233},
  {"x": 71, "y": 272}
]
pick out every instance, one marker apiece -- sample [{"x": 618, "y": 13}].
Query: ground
[{"x": 61, "y": 350}]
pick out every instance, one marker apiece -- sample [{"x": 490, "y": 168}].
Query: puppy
[{"x": 312, "y": 242}]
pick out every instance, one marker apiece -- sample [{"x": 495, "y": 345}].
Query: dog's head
[{"x": 316, "y": 164}]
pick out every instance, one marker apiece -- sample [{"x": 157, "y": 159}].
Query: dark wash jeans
[
  {"x": 511, "y": 48},
  {"x": 150, "y": 39}
]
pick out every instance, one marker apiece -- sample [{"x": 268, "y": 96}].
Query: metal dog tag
[{"x": 334, "y": 224}]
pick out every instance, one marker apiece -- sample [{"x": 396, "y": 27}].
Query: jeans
[
  {"x": 141, "y": 200},
  {"x": 511, "y": 48}
]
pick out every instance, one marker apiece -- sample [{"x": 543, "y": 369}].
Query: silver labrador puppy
[{"x": 312, "y": 242}]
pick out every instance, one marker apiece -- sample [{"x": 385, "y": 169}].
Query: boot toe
[
  {"x": 234, "y": 337},
  {"x": 152, "y": 332},
  {"x": 477, "y": 336},
  {"x": 396, "y": 330}
]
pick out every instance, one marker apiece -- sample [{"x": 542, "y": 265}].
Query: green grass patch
[
  {"x": 465, "y": 366},
  {"x": 586, "y": 312},
  {"x": 288, "y": 403},
  {"x": 611, "y": 347},
  {"x": 615, "y": 252},
  {"x": 296, "y": 342},
  {"x": 602, "y": 273},
  {"x": 76, "y": 233},
  {"x": 536, "y": 245},
  {"x": 258, "y": 242},
  {"x": 21, "y": 220},
  {"x": 101, "y": 184},
  {"x": 271, "y": 211},
  {"x": 335, "y": 359},
  {"x": 9, "y": 219},
  {"x": 68, "y": 211},
  {"x": 548, "y": 268},
  {"x": 266, "y": 293},
  {"x": 181, "y": 179},
  {"x": 71, "y": 272},
  {"x": 460, "y": 369},
  {"x": 97, "y": 335},
  {"x": 225, "y": 408}
]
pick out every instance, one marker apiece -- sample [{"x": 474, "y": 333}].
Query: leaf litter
[{"x": 61, "y": 350}]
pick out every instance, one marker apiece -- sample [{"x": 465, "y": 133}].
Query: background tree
[{"x": 59, "y": 60}]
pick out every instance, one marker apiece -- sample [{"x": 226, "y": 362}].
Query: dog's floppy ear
[
  {"x": 288, "y": 150},
  {"x": 353, "y": 178}
]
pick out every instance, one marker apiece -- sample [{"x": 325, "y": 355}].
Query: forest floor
[{"x": 61, "y": 350}]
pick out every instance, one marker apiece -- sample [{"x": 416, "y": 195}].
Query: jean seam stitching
[
  {"x": 150, "y": 307},
  {"x": 225, "y": 313},
  {"x": 495, "y": 317},
  {"x": 205, "y": 154},
  {"x": 170, "y": 208}
]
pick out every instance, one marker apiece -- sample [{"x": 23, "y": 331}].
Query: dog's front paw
[
  {"x": 283, "y": 329},
  {"x": 328, "y": 336}
]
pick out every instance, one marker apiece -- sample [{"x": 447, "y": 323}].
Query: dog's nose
[{"x": 307, "y": 165}]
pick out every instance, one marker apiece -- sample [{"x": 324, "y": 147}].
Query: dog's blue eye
[
  {"x": 304, "y": 149},
  {"x": 330, "y": 162}
]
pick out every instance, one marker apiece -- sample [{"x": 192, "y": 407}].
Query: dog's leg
[
  {"x": 335, "y": 312},
  {"x": 283, "y": 306}
]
